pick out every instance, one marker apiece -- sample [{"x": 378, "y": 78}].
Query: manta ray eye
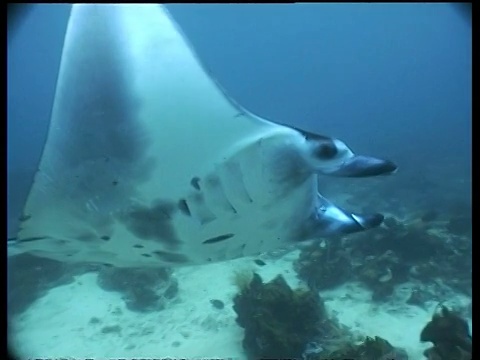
[{"x": 325, "y": 150}]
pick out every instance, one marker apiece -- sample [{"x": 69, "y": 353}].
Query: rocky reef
[
  {"x": 424, "y": 249},
  {"x": 30, "y": 277},
  {"x": 142, "y": 289}
]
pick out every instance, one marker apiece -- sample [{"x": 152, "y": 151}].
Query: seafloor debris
[
  {"x": 94, "y": 320},
  {"x": 430, "y": 215},
  {"x": 418, "y": 297},
  {"x": 142, "y": 289},
  {"x": 450, "y": 335},
  {"x": 371, "y": 348},
  {"x": 381, "y": 274},
  {"x": 112, "y": 329}
]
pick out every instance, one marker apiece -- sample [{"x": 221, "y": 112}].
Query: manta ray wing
[{"x": 136, "y": 120}]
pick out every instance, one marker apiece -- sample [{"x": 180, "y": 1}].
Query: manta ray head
[{"x": 330, "y": 156}]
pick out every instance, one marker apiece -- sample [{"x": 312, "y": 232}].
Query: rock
[{"x": 450, "y": 335}]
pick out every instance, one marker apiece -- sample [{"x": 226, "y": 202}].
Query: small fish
[
  {"x": 217, "y": 304},
  {"x": 259, "y": 262}
]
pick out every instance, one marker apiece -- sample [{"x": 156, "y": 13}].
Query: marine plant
[{"x": 278, "y": 321}]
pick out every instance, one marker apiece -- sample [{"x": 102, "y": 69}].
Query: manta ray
[{"x": 148, "y": 162}]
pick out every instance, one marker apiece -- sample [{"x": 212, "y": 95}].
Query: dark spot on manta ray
[
  {"x": 217, "y": 304},
  {"x": 153, "y": 223},
  {"x": 214, "y": 185},
  {"x": 146, "y": 255},
  {"x": 213, "y": 181},
  {"x": 24, "y": 217},
  {"x": 105, "y": 237},
  {"x": 86, "y": 237},
  {"x": 114, "y": 182},
  {"x": 170, "y": 257},
  {"x": 35, "y": 238},
  {"x": 195, "y": 182},
  {"x": 200, "y": 209},
  {"x": 198, "y": 199},
  {"x": 138, "y": 246},
  {"x": 259, "y": 262},
  {"x": 162, "y": 209},
  {"x": 209, "y": 259},
  {"x": 183, "y": 206},
  {"x": 218, "y": 238}
]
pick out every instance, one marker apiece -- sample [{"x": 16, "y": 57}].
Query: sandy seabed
[{"x": 80, "y": 320}]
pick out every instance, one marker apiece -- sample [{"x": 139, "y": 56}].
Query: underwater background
[{"x": 391, "y": 80}]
